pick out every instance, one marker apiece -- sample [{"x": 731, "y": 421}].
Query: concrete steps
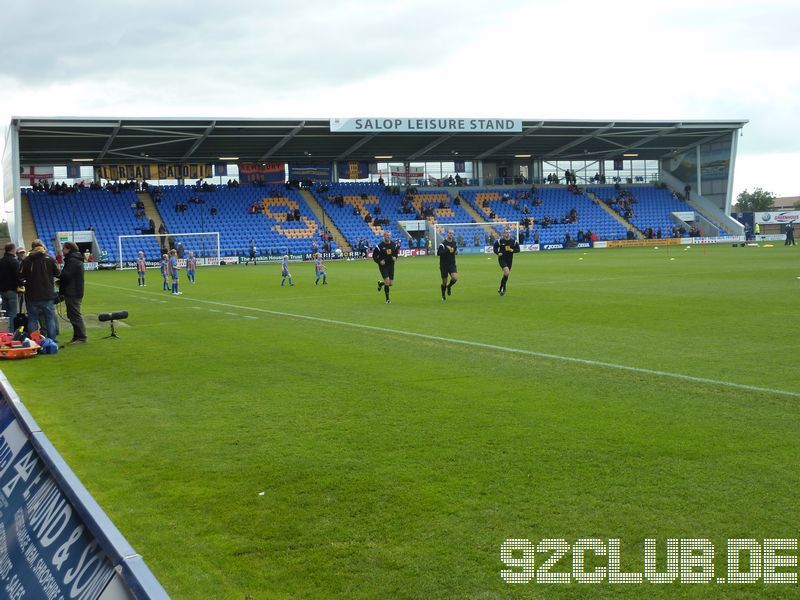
[
  {"x": 28, "y": 226},
  {"x": 478, "y": 218},
  {"x": 323, "y": 217}
]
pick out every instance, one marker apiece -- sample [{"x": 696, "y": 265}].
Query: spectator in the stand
[
  {"x": 458, "y": 180},
  {"x": 380, "y": 181}
]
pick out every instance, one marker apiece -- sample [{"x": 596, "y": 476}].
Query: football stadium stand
[
  {"x": 350, "y": 205},
  {"x": 280, "y": 221},
  {"x": 108, "y": 214},
  {"x": 650, "y": 206},
  {"x": 275, "y": 217},
  {"x": 550, "y": 207}
]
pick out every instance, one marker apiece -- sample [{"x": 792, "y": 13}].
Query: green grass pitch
[{"x": 256, "y": 440}]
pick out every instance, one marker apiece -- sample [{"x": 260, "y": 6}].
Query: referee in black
[
  {"x": 385, "y": 254},
  {"x": 447, "y": 262},
  {"x": 505, "y": 248}
]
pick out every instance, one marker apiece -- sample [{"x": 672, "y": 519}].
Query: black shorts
[
  {"x": 387, "y": 270},
  {"x": 505, "y": 262},
  {"x": 446, "y": 270}
]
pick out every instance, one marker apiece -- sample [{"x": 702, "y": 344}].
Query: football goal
[{"x": 205, "y": 246}]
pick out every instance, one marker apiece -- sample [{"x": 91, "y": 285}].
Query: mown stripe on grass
[{"x": 485, "y": 346}]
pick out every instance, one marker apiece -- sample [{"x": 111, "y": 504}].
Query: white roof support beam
[
  {"x": 283, "y": 141},
  {"x": 510, "y": 141},
  {"x": 355, "y": 147},
  {"x": 199, "y": 141},
  {"x": 110, "y": 140},
  {"x": 555, "y": 153},
  {"x": 429, "y": 147}
]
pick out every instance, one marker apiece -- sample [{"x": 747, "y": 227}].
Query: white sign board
[
  {"x": 407, "y": 125},
  {"x": 786, "y": 216}
]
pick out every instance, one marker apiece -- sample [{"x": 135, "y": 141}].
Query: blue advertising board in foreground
[{"x": 56, "y": 543}]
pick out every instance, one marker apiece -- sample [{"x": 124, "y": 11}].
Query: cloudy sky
[{"x": 682, "y": 59}]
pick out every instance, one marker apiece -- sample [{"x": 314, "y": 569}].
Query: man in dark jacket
[
  {"x": 37, "y": 272},
  {"x": 9, "y": 281},
  {"x": 71, "y": 287}
]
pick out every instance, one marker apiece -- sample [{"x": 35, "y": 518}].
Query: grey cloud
[{"x": 290, "y": 45}]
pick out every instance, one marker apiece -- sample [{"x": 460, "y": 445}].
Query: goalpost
[
  {"x": 206, "y": 247},
  {"x": 477, "y": 235}
]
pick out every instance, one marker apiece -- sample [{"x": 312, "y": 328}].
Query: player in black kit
[
  {"x": 447, "y": 262},
  {"x": 505, "y": 248},
  {"x": 385, "y": 254}
]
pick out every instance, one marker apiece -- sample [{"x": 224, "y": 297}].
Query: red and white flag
[{"x": 30, "y": 175}]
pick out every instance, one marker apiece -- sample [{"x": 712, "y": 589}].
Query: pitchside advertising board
[
  {"x": 786, "y": 216},
  {"x": 55, "y": 541}
]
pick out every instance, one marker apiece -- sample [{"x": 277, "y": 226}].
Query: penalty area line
[{"x": 507, "y": 349}]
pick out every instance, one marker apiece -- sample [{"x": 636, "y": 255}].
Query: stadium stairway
[
  {"x": 639, "y": 235},
  {"x": 716, "y": 223},
  {"x": 28, "y": 226},
  {"x": 323, "y": 217},
  {"x": 150, "y": 208},
  {"x": 477, "y": 217}
]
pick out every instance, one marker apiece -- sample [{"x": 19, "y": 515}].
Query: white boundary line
[{"x": 485, "y": 346}]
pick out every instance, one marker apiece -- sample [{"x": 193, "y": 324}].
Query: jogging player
[
  {"x": 447, "y": 262},
  {"x": 320, "y": 269},
  {"x": 505, "y": 248},
  {"x": 252, "y": 253},
  {"x": 385, "y": 254}
]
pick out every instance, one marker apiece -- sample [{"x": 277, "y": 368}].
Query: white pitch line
[{"x": 507, "y": 349}]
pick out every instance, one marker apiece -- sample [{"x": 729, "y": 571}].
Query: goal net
[
  {"x": 475, "y": 237},
  {"x": 204, "y": 245}
]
